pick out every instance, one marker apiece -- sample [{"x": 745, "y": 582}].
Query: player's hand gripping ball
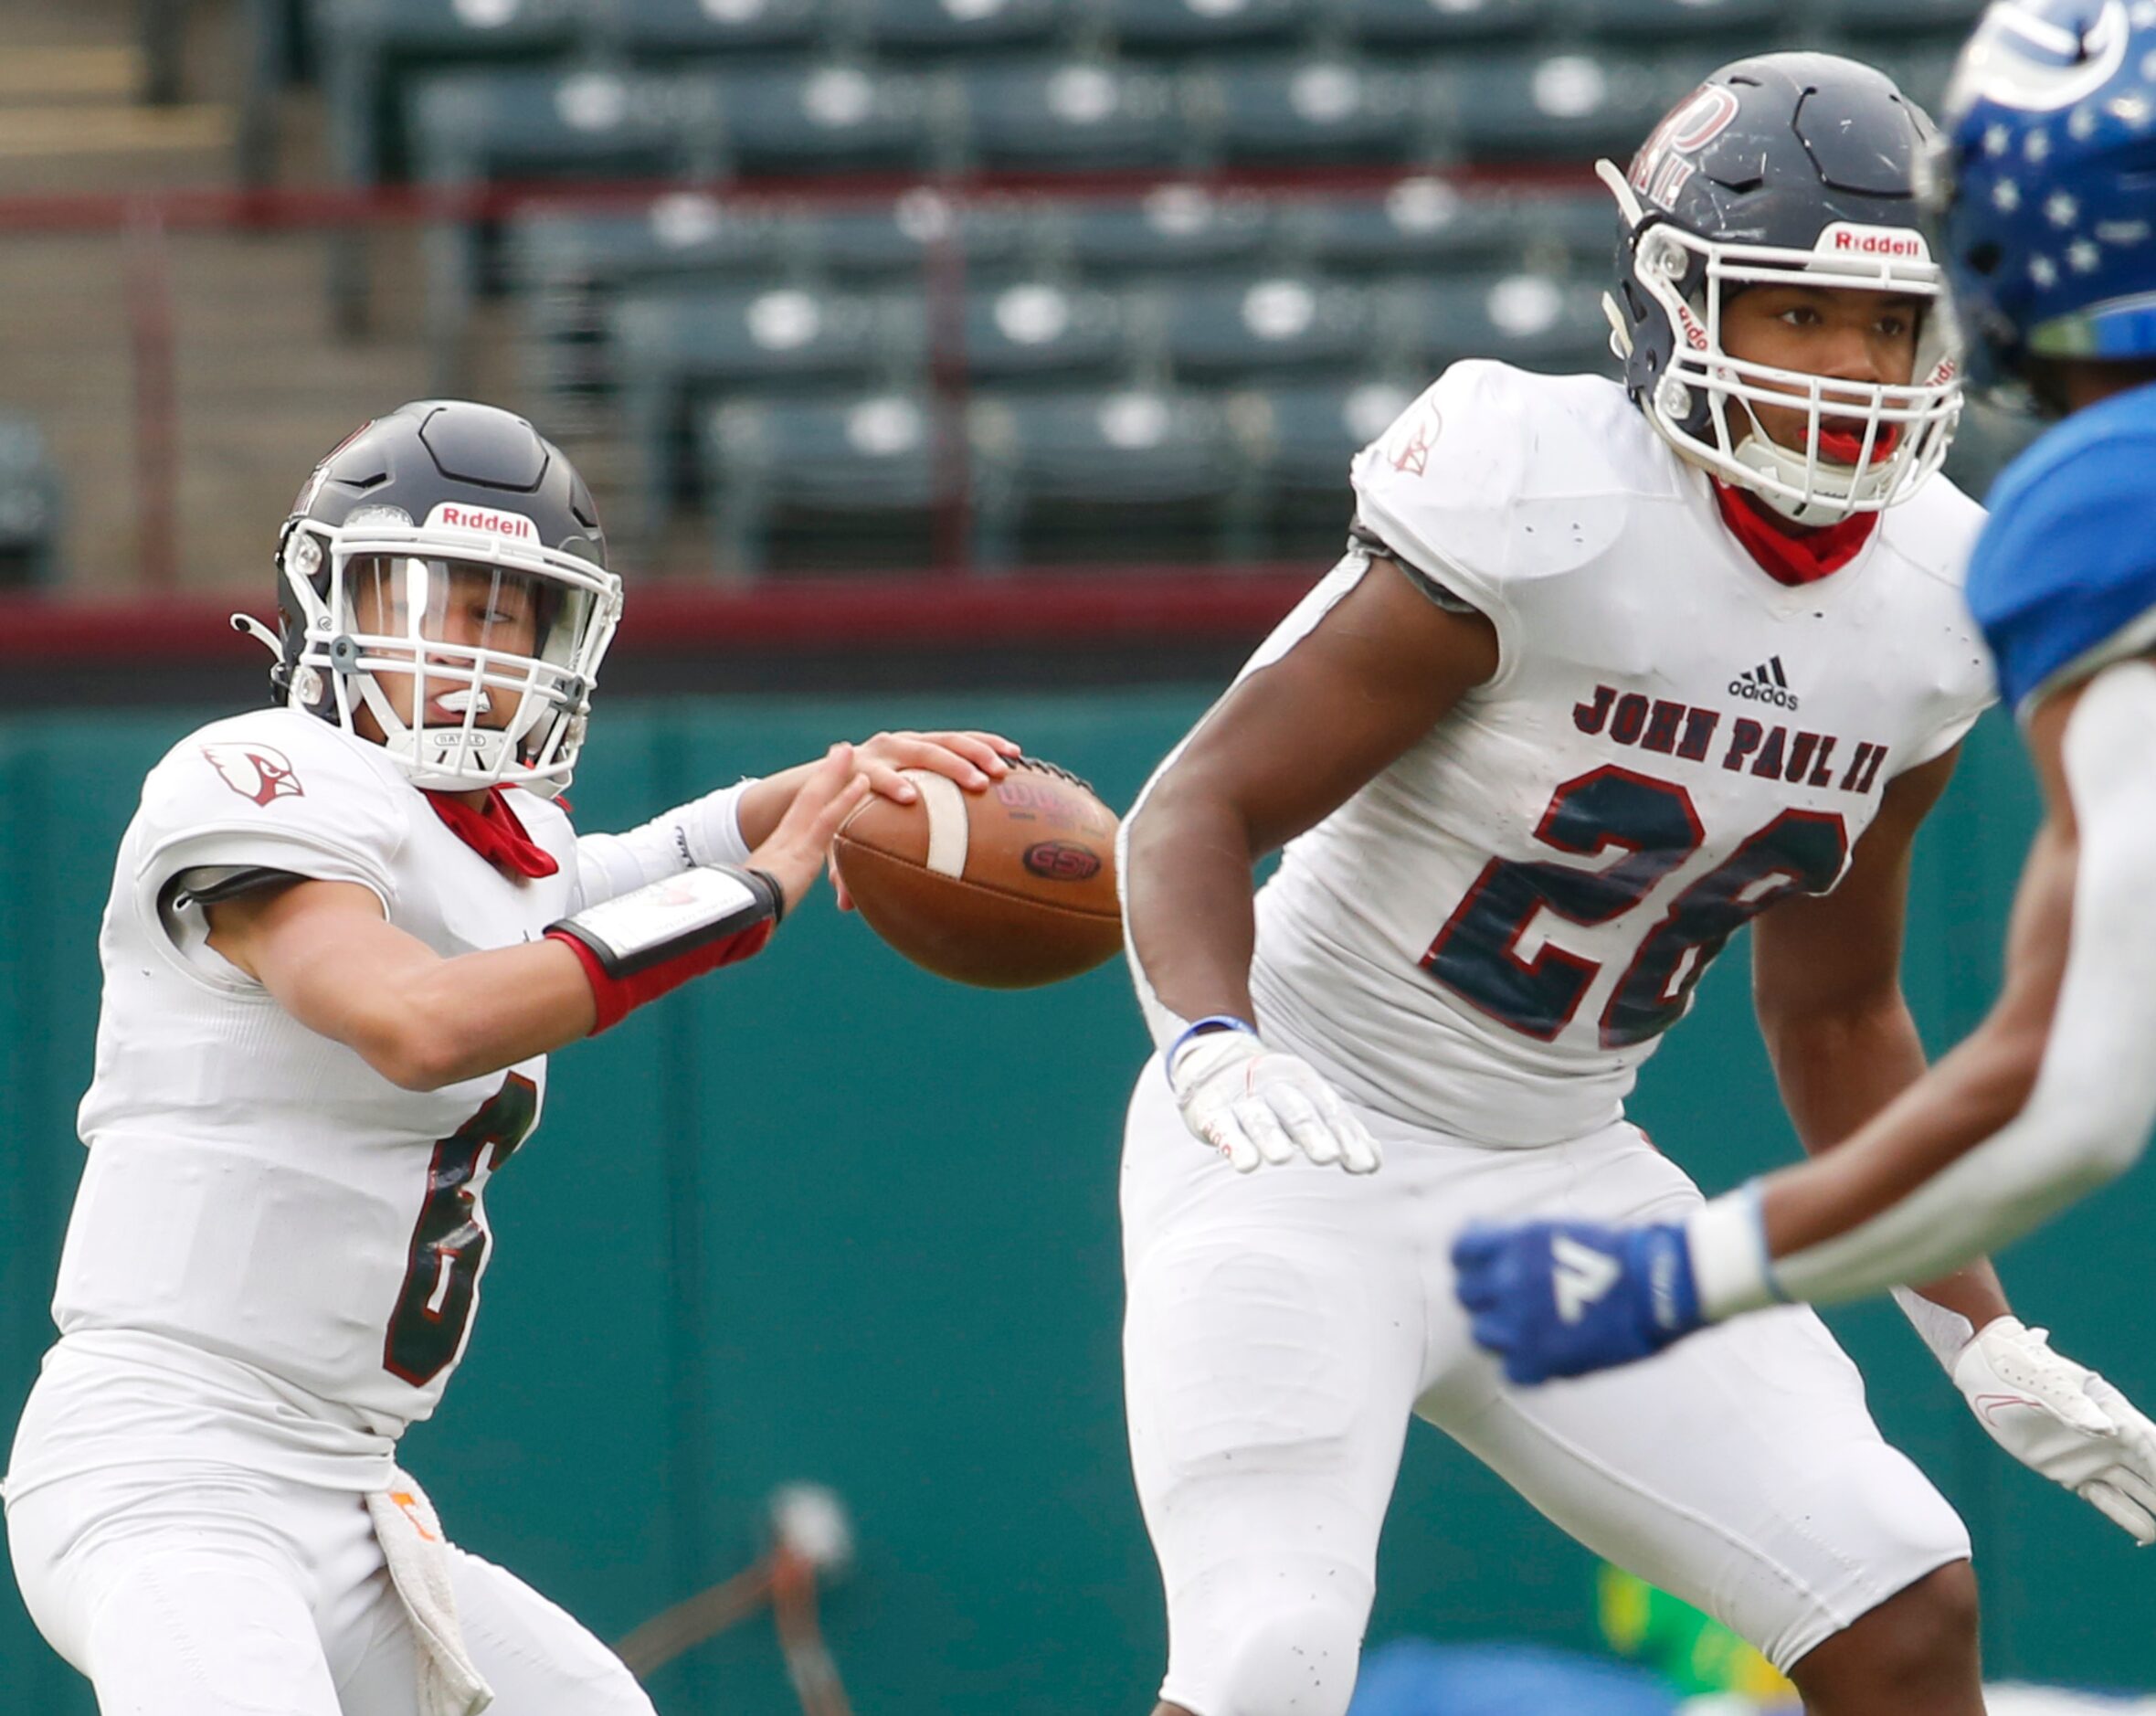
[{"x": 1008, "y": 888}]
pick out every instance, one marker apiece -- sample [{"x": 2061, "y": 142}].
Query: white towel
[{"x": 418, "y": 1557}]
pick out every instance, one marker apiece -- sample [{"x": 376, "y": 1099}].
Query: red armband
[{"x": 638, "y": 945}]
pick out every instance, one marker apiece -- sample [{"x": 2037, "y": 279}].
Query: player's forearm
[
  {"x": 1837, "y": 1069},
  {"x": 477, "y": 1013},
  {"x": 1840, "y": 1071},
  {"x": 1187, "y": 906},
  {"x": 1974, "y": 1091},
  {"x": 2056, "y": 1094},
  {"x": 1943, "y": 1184}
]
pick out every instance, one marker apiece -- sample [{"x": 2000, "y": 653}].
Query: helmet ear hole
[{"x": 1985, "y": 257}]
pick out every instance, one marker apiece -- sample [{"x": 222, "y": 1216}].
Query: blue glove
[{"x": 1562, "y": 1298}]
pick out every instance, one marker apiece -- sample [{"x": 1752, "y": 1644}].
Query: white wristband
[
  {"x": 712, "y": 825},
  {"x": 1732, "y": 1269}
]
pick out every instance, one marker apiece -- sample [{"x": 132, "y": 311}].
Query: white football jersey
[
  {"x": 257, "y": 1192},
  {"x": 1493, "y": 934}
]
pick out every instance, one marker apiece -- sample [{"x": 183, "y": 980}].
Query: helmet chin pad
[
  {"x": 1836, "y": 490},
  {"x": 462, "y": 755}
]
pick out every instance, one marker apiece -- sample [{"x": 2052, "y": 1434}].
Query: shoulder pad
[
  {"x": 1460, "y": 485},
  {"x": 1936, "y": 529},
  {"x": 2064, "y": 576},
  {"x": 276, "y": 789}
]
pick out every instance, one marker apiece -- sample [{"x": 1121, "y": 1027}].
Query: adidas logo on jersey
[{"x": 1765, "y": 684}]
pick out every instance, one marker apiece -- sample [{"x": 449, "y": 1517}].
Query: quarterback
[
  {"x": 1607, "y": 672},
  {"x": 344, "y": 934},
  {"x": 2046, "y": 230}
]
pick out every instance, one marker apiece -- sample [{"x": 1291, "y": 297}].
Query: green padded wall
[{"x": 829, "y": 1218}]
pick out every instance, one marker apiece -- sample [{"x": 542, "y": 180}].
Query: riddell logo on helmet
[
  {"x": 1897, "y": 244},
  {"x": 449, "y": 515}
]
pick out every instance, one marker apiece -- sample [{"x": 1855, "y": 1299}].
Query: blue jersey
[{"x": 2067, "y": 563}]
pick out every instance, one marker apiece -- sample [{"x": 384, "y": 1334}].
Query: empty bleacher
[{"x": 1115, "y": 278}]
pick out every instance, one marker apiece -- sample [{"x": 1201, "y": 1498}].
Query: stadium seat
[
  {"x": 1300, "y": 436},
  {"x": 950, "y": 29},
  {"x": 371, "y": 48},
  {"x": 1240, "y": 325},
  {"x": 1095, "y": 476},
  {"x": 1077, "y": 114},
  {"x": 667, "y": 32},
  {"x": 1035, "y": 328},
  {"x": 831, "y": 117},
  {"x": 1751, "y": 25},
  {"x": 1171, "y": 229},
  {"x": 472, "y": 127},
  {"x": 566, "y": 271},
  {"x": 683, "y": 233},
  {"x": 1303, "y": 111},
  {"x": 1578, "y": 226},
  {"x": 1436, "y": 23},
  {"x": 826, "y": 484},
  {"x": 895, "y": 242},
  {"x": 1566, "y": 105},
  {"x": 585, "y": 122},
  {"x": 29, "y": 507},
  {"x": 1419, "y": 225},
  {"x": 1184, "y": 26},
  {"x": 1532, "y": 320},
  {"x": 675, "y": 348}
]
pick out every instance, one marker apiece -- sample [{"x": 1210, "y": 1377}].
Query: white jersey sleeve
[
  {"x": 1935, "y": 532},
  {"x": 1493, "y": 480},
  {"x": 274, "y": 790},
  {"x": 705, "y": 831},
  {"x": 1433, "y": 487}
]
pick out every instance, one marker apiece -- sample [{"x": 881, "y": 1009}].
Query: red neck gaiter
[
  {"x": 1789, "y": 558},
  {"x": 495, "y": 833}
]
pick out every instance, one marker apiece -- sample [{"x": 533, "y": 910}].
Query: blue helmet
[{"x": 2044, "y": 185}]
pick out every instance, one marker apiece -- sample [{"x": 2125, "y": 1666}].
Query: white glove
[
  {"x": 2064, "y": 1421},
  {"x": 1255, "y": 1106}
]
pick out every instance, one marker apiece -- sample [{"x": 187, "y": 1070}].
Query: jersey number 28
[
  {"x": 449, "y": 1241},
  {"x": 1654, "y": 824}
]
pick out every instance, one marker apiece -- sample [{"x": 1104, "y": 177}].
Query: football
[{"x": 1008, "y": 888}]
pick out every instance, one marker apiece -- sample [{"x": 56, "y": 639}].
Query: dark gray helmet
[
  {"x": 448, "y": 544},
  {"x": 1781, "y": 165}
]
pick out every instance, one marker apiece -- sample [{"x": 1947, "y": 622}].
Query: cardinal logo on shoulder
[{"x": 254, "y": 771}]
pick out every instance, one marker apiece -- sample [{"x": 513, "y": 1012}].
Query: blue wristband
[{"x": 1199, "y": 1027}]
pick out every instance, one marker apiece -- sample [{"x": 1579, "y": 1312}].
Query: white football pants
[
  {"x": 208, "y": 1589},
  {"x": 1284, "y": 1326}
]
